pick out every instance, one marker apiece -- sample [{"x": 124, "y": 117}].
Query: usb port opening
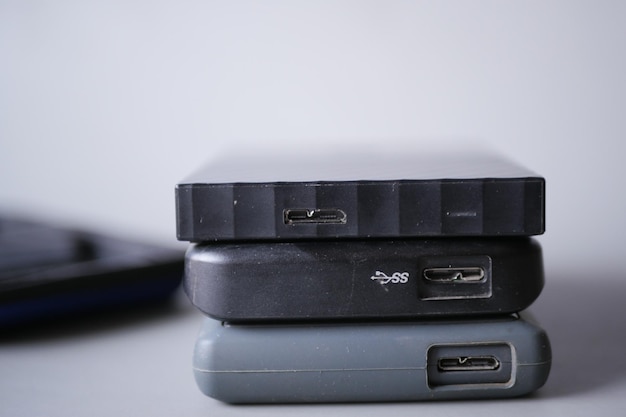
[
  {"x": 454, "y": 277},
  {"x": 468, "y": 363},
  {"x": 462, "y": 274},
  {"x": 314, "y": 216},
  {"x": 449, "y": 365}
]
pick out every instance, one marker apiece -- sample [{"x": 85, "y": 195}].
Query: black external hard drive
[
  {"x": 496, "y": 357},
  {"x": 358, "y": 195},
  {"x": 358, "y": 279}
]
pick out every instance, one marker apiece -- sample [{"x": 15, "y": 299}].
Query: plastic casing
[
  {"x": 245, "y": 198},
  {"x": 359, "y": 362},
  {"x": 52, "y": 272},
  {"x": 355, "y": 279}
]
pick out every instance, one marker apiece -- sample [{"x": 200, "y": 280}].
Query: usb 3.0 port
[
  {"x": 454, "y": 277},
  {"x": 489, "y": 363},
  {"x": 467, "y": 274},
  {"x": 468, "y": 363},
  {"x": 314, "y": 216}
]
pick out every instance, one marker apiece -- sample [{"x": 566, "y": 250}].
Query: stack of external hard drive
[{"x": 349, "y": 278}]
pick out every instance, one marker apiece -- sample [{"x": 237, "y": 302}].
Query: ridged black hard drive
[{"x": 355, "y": 195}]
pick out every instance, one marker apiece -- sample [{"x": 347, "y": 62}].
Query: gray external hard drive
[{"x": 370, "y": 362}]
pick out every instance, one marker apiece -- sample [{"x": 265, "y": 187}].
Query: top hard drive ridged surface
[{"x": 357, "y": 195}]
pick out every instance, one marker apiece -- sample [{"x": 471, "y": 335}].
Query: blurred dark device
[
  {"x": 357, "y": 195},
  {"x": 363, "y": 279},
  {"x": 47, "y": 272}
]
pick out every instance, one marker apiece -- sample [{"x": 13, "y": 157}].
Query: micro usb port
[
  {"x": 489, "y": 363},
  {"x": 314, "y": 216},
  {"x": 459, "y": 274},
  {"x": 454, "y": 277},
  {"x": 468, "y": 363}
]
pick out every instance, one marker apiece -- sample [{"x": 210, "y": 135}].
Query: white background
[{"x": 105, "y": 105}]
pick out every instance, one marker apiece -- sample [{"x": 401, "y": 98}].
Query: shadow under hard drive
[{"x": 585, "y": 321}]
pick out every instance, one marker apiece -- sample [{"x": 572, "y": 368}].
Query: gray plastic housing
[
  {"x": 363, "y": 279},
  {"x": 368, "y": 362},
  {"x": 355, "y": 194}
]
